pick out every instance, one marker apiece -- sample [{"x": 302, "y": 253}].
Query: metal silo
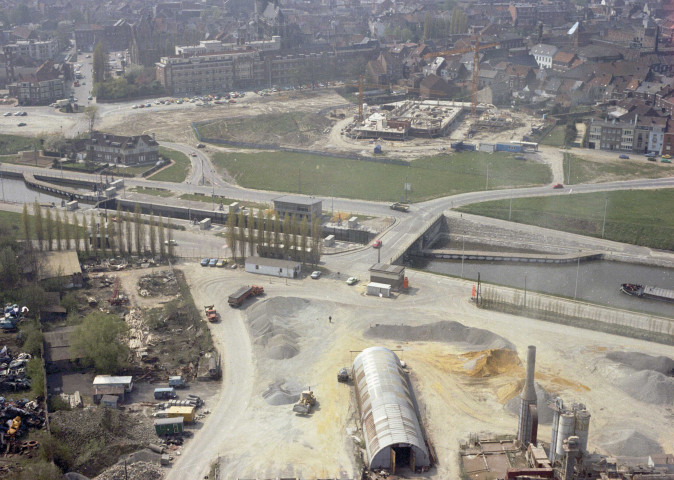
[
  {"x": 582, "y": 428},
  {"x": 565, "y": 428},
  {"x": 557, "y": 407}
]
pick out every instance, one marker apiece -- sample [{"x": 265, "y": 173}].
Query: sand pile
[
  {"x": 282, "y": 393},
  {"x": 488, "y": 363},
  {"x": 626, "y": 442},
  {"x": 270, "y": 326},
  {"x": 641, "y": 361},
  {"x": 449, "y": 332},
  {"x": 649, "y": 386},
  {"x": 543, "y": 397}
]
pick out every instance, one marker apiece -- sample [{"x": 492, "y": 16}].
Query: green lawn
[
  {"x": 10, "y": 144},
  {"x": 588, "y": 171},
  {"x": 177, "y": 172},
  {"x": 555, "y": 138},
  {"x": 158, "y": 192},
  {"x": 640, "y": 217},
  {"x": 428, "y": 177}
]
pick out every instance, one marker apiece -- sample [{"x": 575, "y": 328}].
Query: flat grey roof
[
  {"x": 272, "y": 262},
  {"x": 300, "y": 200},
  {"x": 387, "y": 268}
]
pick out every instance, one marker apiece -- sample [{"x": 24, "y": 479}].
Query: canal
[
  {"x": 597, "y": 281},
  {"x": 16, "y": 191}
]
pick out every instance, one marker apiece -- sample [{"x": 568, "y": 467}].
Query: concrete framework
[{"x": 390, "y": 426}]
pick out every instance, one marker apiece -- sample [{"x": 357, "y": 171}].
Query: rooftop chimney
[{"x": 528, "y": 423}]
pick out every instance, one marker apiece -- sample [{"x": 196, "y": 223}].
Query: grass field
[
  {"x": 298, "y": 128},
  {"x": 177, "y": 172},
  {"x": 587, "y": 171},
  {"x": 640, "y": 217},
  {"x": 555, "y": 138},
  {"x": 10, "y": 144},
  {"x": 428, "y": 177},
  {"x": 157, "y": 192}
]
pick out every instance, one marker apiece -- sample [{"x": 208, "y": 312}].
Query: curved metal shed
[{"x": 387, "y": 413}]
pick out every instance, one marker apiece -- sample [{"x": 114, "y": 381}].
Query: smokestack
[{"x": 528, "y": 422}]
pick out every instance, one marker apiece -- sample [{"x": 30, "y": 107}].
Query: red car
[
  {"x": 377, "y": 244},
  {"x": 558, "y": 185}
]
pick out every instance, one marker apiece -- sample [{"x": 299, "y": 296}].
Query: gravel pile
[
  {"x": 626, "y": 442},
  {"x": 545, "y": 413},
  {"x": 282, "y": 393},
  {"x": 270, "y": 325},
  {"x": 449, "y": 332},
  {"x": 649, "y": 386},
  {"x": 641, "y": 361},
  {"x": 137, "y": 471}
]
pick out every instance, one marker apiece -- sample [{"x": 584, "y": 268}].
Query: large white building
[
  {"x": 543, "y": 54},
  {"x": 37, "y": 50}
]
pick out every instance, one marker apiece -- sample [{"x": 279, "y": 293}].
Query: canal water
[
  {"x": 16, "y": 191},
  {"x": 598, "y": 281}
]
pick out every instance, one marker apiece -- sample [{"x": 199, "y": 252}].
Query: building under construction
[{"x": 409, "y": 119}]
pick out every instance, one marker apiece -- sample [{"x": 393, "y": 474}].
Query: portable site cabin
[
  {"x": 379, "y": 289},
  {"x": 169, "y": 426},
  {"x": 187, "y": 413},
  {"x": 109, "y": 381}
]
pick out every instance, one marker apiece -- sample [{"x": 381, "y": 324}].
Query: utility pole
[{"x": 463, "y": 252}]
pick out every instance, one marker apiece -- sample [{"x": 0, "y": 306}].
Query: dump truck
[
  {"x": 401, "y": 207},
  {"x": 211, "y": 314},
  {"x": 237, "y": 298},
  {"x": 306, "y": 403}
]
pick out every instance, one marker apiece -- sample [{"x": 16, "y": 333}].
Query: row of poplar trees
[
  {"x": 272, "y": 236},
  {"x": 129, "y": 234}
]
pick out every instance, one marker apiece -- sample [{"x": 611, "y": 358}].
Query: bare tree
[
  {"x": 67, "y": 230},
  {"x": 153, "y": 235},
  {"x": 268, "y": 229},
  {"x": 304, "y": 232},
  {"x": 294, "y": 227},
  {"x": 77, "y": 232},
  {"x": 259, "y": 237},
  {"x": 94, "y": 237},
  {"x": 58, "y": 229},
  {"x": 25, "y": 218},
  {"x": 39, "y": 226},
  {"x": 162, "y": 237},
  {"x": 277, "y": 233},
  {"x": 230, "y": 233},
  {"x": 316, "y": 236},
  {"x": 104, "y": 238},
  {"x": 92, "y": 114},
  {"x": 140, "y": 244},
  {"x": 85, "y": 234},
  {"x": 241, "y": 223},
  {"x": 128, "y": 230},
  {"x": 169, "y": 235},
  {"x": 49, "y": 226}
]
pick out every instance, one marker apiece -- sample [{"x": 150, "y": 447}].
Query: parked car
[
  {"x": 377, "y": 244},
  {"x": 221, "y": 263},
  {"x": 558, "y": 185},
  {"x": 170, "y": 242},
  {"x": 213, "y": 262},
  {"x": 204, "y": 262},
  {"x": 316, "y": 275},
  {"x": 351, "y": 281},
  {"x": 667, "y": 156},
  {"x": 665, "y": 160},
  {"x": 21, "y": 124},
  {"x": 624, "y": 157},
  {"x": 201, "y": 145},
  {"x": 7, "y": 114}
]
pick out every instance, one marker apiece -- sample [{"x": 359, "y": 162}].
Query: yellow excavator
[{"x": 306, "y": 403}]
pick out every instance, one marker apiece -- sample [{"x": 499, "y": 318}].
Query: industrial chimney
[{"x": 527, "y": 429}]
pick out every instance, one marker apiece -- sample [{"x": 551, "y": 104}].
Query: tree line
[
  {"x": 124, "y": 234},
  {"x": 272, "y": 236}
]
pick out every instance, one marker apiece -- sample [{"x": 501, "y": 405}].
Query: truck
[
  {"x": 237, "y": 298},
  {"x": 211, "y": 314},
  {"x": 61, "y": 103},
  {"x": 177, "y": 381},
  {"x": 401, "y": 207},
  {"x": 164, "y": 393}
]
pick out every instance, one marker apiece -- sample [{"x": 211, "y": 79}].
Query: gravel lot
[{"x": 460, "y": 390}]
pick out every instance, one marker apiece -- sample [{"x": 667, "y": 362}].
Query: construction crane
[
  {"x": 476, "y": 47},
  {"x": 116, "y": 298}
]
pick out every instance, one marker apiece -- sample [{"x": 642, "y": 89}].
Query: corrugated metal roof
[{"x": 387, "y": 412}]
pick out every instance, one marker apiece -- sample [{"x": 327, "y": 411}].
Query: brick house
[{"x": 121, "y": 150}]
